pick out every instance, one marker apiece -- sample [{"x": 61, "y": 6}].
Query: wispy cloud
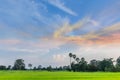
[
  {"x": 9, "y": 41},
  {"x": 61, "y": 5},
  {"x": 27, "y": 19},
  {"x": 67, "y": 28},
  {"x": 29, "y": 29},
  {"x": 27, "y": 50},
  {"x": 108, "y": 30},
  {"x": 38, "y": 46},
  {"x": 105, "y": 36}
]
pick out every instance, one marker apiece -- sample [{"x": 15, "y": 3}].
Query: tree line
[
  {"x": 76, "y": 65},
  {"x": 107, "y": 64},
  {"x": 20, "y": 65}
]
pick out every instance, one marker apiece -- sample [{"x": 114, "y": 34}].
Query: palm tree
[
  {"x": 74, "y": 56},
  {"x": 70, "y": 55},
  {"x": 78, "y": 60}
]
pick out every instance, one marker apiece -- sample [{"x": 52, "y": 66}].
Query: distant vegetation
[
  {"x": 107, "y": 64},
  {"x": 76, "y": 65}
]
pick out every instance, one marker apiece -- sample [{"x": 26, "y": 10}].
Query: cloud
[
  {"x": 108, "y": 30},
  {"x": 95, "y": 23},
  {"x": 38, "y": 46},
  {"x": 34, "y": 34},
  {"x": 61, "y": 5},
  {"x": 108, "y": 35},
  {"x": 31, "y": 51},
  {"x": 9, "y": 41},
  {"x": 113, "y": 28},
  {"x": 27, "y": 50},
  {"x": 27, "y": 19},
  {"x": 59, "y": 57},
  {"x": 98, "y": 52},
  {"x": 67, "y": 28}
]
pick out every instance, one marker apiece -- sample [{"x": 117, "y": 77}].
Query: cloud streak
[
  {"x": 61, "y": 5},
  {"x": 67, "y": 28},
  {"x": 108, "y": 35}
]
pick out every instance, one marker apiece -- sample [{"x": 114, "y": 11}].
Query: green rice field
[{"x": 39, "y": 75}]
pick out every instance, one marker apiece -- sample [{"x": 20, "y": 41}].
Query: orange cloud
[
  {"x": 66, "y": 28},
  {"x": 108, "y": 35},
  {"x": 111, "y": 39}
]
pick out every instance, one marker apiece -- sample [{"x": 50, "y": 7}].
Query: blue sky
[{"x": 42, "y": 30}]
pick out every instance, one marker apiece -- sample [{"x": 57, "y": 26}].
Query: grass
[{"x": 37, "y": 75}]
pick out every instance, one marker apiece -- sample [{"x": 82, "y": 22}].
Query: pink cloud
[{"x": 10, "y": 41}]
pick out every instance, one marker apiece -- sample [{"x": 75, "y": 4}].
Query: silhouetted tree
[
  {"x": 93, "y": 66},
  {"x": 70, "y": 55},
  {"x": 49, "y": 68},
  {"x": 118, "y": 64},
  {"x": 19, "y": 65},
  {"x": 74, "y": 56},
  {"x": 9, "y": 67},
  {"x": 2, "y": 67},
  {"x": 83, "y": 64},
  {"x": 73, "y": 67},
  {"x": 78, "y": 60},
  {"x": 106, "y": 64},
  {"x": 66, "y": 68},
  {"x": 60, "y": 68},
  {"x": 34, "y": 68},
  {"x": 30, "y": 66},
  {"x": 39, "y": 67}
]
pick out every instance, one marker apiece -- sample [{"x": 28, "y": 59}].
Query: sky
[{"x": 44, "y": 32}]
